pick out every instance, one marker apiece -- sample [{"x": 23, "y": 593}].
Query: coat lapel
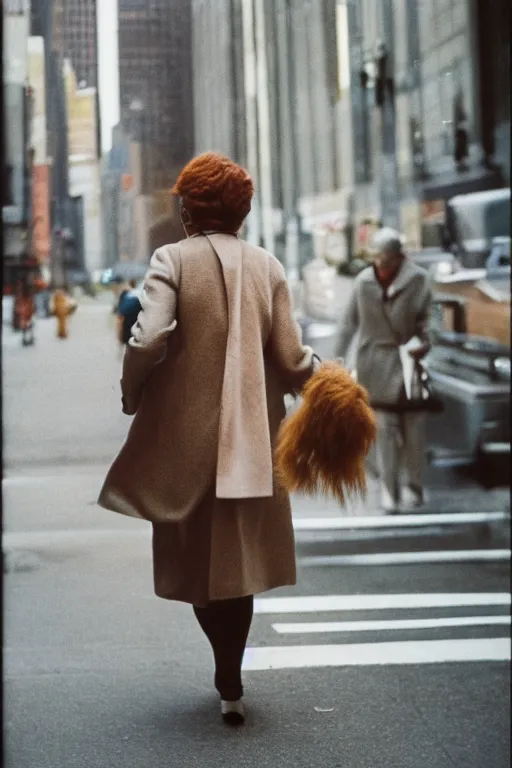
[{"x": 405, "y": 275}]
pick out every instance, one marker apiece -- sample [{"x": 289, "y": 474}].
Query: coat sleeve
[
  {"x": 157, "y": 319},
  {"x": 349, "y": 324},
  {"x": 292, "y": 358}
]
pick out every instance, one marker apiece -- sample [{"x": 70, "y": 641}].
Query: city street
[{"x": 392, "y": 651}]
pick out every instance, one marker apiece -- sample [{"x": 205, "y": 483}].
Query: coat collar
[
  {"x": 408, "y": 271},
  {"x": 209, "y": 232}
]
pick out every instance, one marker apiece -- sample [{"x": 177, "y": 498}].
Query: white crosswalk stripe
[
  {"x": 323, "y": 603},
  {"x": 376, "y": 654},
  {"x": 319, "y": 627},
  {"x": 466, "y": 614}
]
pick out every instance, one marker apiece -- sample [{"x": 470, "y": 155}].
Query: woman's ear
[{"x": 185, "y": 216}]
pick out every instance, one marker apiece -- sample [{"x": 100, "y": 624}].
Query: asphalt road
[{"x": 361, "y": 665}]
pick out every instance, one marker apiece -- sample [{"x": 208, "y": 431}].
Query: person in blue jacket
[{"x": 127, "y": 312}]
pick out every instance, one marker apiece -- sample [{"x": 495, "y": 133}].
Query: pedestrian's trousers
[
  {"x": 226, "y": 624},
  {"x": 400, "y": 446}
]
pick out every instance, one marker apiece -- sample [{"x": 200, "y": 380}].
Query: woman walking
[
  {"x": 389, "y": 312},
  {"x": 25, "y": 309},
  {"x": 213, "y": 353}
]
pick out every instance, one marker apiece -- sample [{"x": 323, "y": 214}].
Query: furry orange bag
[{"x": 321, "y": 447}]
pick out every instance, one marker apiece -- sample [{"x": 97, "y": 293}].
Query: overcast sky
[{"x": 108, "y": 70}]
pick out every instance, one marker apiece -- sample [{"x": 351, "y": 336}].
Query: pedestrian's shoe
[
  {"x": 232, "y": 712},
  {"x": 388, "y": 503},
  {"x": 411, "y": 498}
]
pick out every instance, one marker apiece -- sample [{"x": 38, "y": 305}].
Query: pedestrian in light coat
[
  {"x": 213, "y": 352},
  {"x": 390, "y": 305}
]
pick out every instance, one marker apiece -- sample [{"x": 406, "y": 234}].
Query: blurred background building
[
  {"x": 155, "y": 137},
  {"x": 351, "y": 112},
  {"x": 76, "y": 28},
  {"x": 17, "y": 203},
  {"x": 68, "y": 32},
  {"x": 345, "y": 112},
  {"x": 83, "y": 164}
]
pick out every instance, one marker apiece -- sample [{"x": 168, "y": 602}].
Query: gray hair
[{"x": 387, "y": 240}]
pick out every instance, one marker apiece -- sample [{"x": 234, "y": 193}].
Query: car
[
  {"x": 474, "y": 222},
  {"x": 471, "y": 376}
]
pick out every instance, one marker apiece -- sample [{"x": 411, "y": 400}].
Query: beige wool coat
[
  {"x": 213, "y": 353},
  {"x": 382, "y": 323}
]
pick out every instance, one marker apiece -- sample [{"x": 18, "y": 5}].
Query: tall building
[
  {"x": 17, "y": 129},
  {"x": 40, "y": 167},
  {"x": 266, "y": 91},
  {"x": 69, "y": 35},
  {"x": 430, "y": 127},
  {"x": 46, "y": 18},
  {"x": 79, "y": 30},
  {"x": 218, "y": 68},
  {"x": 83, "y": 164},
  {"x": 350, "y": 112},
  {"x": 155, "y": 83}
]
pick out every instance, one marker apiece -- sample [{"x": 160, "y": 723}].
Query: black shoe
[{"x": 232, "y": 712}]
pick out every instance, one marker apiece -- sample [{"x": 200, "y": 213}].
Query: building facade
[
  {"x": 492, "y": 27},
  {"x": 16, "y": 210},
  {"x": 351, "y": 112},
  {"x": 439, "y": 129},
  {"x": 41, "y": 229},
  {"x": 218, "y": 70},
  {"x": 155, "y": 82},
  {"x": 66, "y": 220},
  {"x": 83, "y": 164},
  {"x": 78, "y": 30},
  {"x": 269, "y": 93}
]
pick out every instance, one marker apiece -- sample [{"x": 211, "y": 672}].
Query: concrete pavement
[{"x": 100, "y": 673}]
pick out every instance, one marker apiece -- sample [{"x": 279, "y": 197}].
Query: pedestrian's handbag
[{"x": 417, "y": 394}]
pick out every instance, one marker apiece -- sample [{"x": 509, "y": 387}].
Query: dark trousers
[
  {"x": 27, "y": 335},
  {"x": 226, "y": 624}
]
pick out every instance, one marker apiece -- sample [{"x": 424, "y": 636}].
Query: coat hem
[{"x": 239, "y": 593}]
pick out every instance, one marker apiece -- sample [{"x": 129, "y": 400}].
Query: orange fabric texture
[
  {"x": 322, "y": 446},
  {"x": 216, "y": 192}
]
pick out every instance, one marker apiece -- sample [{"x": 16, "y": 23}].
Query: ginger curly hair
[{"x": 216, "y": 192}]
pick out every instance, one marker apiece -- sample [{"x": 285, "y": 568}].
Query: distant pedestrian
[
  {"x": 128, "y": 310},
  {"x": 389, "y": 308},
  {"x": 25, "y": 309},
  {"x": 213, "y": 353},
  {"x": 62, "y": 306},
  {"x": 42, "y": 296}
]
